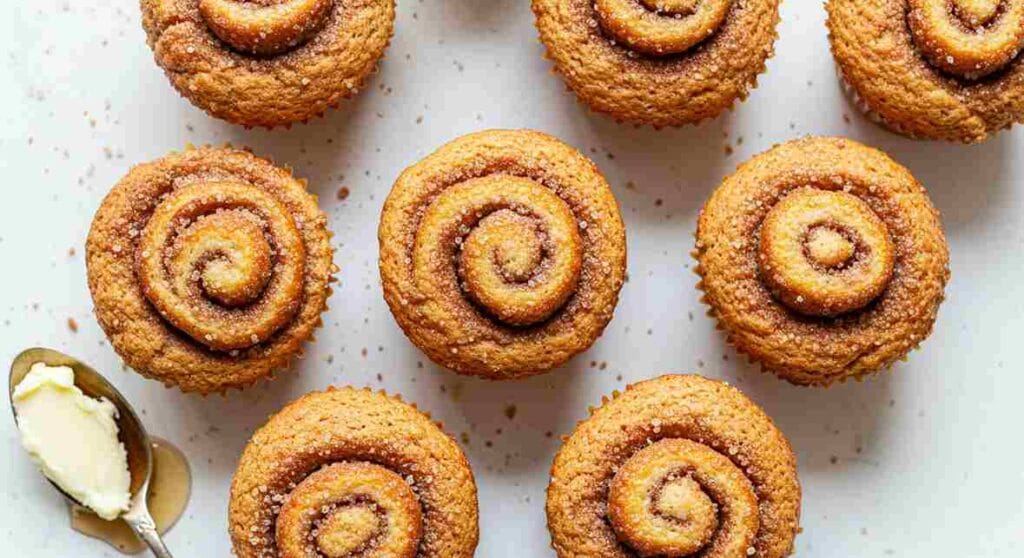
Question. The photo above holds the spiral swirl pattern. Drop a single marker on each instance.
(351, 473)
(658, 62)
(936, 69)
(658, 27)
(209, 268)
(675, 466)
(502, 254)
(968, 38)
(350, 509)
(268, 62)
(264, 26)
(824, 253)
(223, 262)
(823, 259)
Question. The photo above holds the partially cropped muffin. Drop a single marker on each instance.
(823, 259)
(932, 69)
(658, 62)
(268, 63)
(350, 473)
(209, 268)
(502, 254)
(675, 466)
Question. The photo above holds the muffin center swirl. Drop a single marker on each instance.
(514, 243)
(661, 27)
(347, 530)
(680, 498)
(823, 253)
(264, 27)
(223, 262)
(829, 248)
(350, 510)
(968, 38)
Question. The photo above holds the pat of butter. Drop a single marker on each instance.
(73, 439)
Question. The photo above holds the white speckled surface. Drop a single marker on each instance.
(923, 461)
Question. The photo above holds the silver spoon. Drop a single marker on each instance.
(130, 430)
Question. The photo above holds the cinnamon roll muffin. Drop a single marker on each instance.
(934, 69)
(209, 268)
(502, 254)
(823, 259)
(267, 62)
(659, 62)
(675, 466)
(352, 473)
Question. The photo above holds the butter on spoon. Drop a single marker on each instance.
(73, 439)
(46, 398)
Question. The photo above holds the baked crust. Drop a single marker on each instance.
(669, 67)
(329, 461)
(502, 254)
(848, 334)
(926, 71)
(228, 280)
(675, 458)
(268, 65)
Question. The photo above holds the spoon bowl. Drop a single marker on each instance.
(131, 433)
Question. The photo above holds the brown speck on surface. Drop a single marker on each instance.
(658, 202)
(72, 325)
(833, 460)
(71, 252)
(343, 193)
(364, 352)
(510, 411)
(728, 150)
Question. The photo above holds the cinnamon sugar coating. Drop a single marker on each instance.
(352, 473)
(658, 62)
(260, 63)
(675, 466)
(209, 268)
(852, 282)
(502, 254)
(932, 69)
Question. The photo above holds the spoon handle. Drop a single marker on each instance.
(142, 523)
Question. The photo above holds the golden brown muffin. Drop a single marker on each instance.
(675, 466)
(268, 62)
(659, 62)
(823, 259)
(209, 268)
(352, 473)
(502, 253)
(935, 69)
